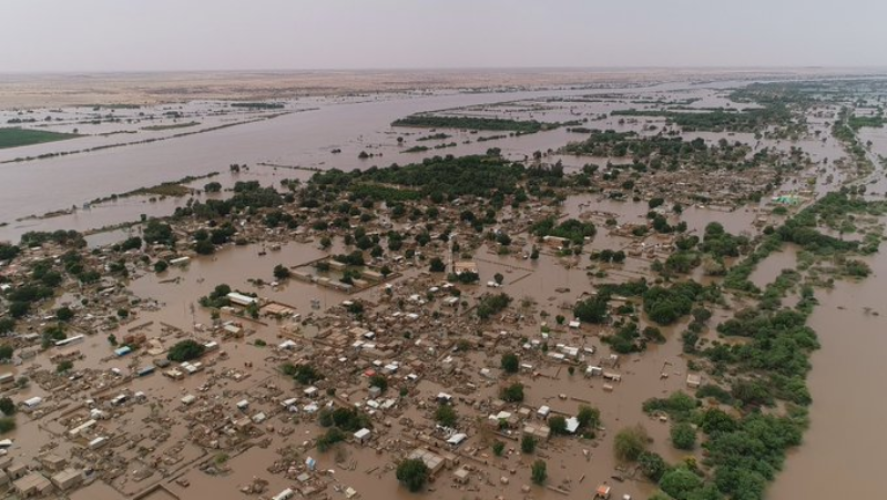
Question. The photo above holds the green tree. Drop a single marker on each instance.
(680, 483)
(630, 442)
(539, 472)
(652, 465)
(514, 393)
(498, 278)
(528, 444)
(64, 314)
(558, 425)
(6, 351)
(6, 325)
(437, 265)
(445, 415)
(7, 424)
(7, 406)
(204, 247)
(588, 417)
(281, 272)
(683, 436)
(64, 366)
(329, 438)
(379, 381)
(498, 448)
(510, 362)
(412, 473)
(186, 350)
(303, 374)
(160, 266)
(593, 310)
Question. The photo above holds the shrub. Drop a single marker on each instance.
(445, 415)
(331, 437)
(513, 393)
(510, 362)
(7, 406)
(683, 436)
(413, 474)
(185, 350)
(652, 465)
(588, 417)
(498, 448)
(539, 472)
(6, 424)
(630, 442)
(558, 425)
(528, 444)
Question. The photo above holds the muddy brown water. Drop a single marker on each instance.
(839, 457)
(840, 454)
(303, 139)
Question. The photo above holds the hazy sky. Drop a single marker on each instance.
(133, 35)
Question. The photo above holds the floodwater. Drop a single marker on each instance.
(840, 456)
(305, 139)
(842, 450)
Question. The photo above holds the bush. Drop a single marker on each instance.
(350, 419)
(652, 465)
(510, 362)
(683, 436)
(593, 310)
(437, 265)
(6, 424)
(492, 304)
(6, 325)
(185, 350)
(303, 374)
(539, 472)
(331, 437)
(498, 448)
(680, 483)
(7, 406)
(6, 351)
(630, 442)
(513, 393)
(588, 417)
(528, 444)
(64, 314)
(413, 474)
(160, 266)
(678, 405)
(281, 272)
(379, 381)
(446, 416)
(558, 425)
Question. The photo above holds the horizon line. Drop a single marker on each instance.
(450, 69)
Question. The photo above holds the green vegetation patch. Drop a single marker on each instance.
(157, 128)
(257, 105)
(474, 123)
(13, 137)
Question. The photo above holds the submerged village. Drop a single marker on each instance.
(621, 316)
